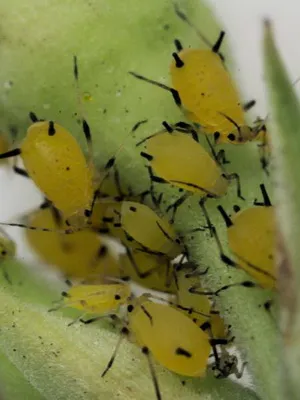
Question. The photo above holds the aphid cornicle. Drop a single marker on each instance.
(205, 91)
(251, 238)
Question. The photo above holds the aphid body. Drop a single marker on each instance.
(180, 160)
(80, 255)
(251, 238)
(97, 299)
(170, 336)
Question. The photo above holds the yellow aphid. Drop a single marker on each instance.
(55, 162)
(143, 228)
(209, 95)
(97, 299)
(170, 336)
(80, 255)
(251, 238)
(180, 160)
(204, 90)
(68, 183)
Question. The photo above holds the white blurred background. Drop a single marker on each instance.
(242, 20)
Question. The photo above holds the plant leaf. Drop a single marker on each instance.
(58, 361)
(285, 139)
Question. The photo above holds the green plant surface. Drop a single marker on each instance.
(44, 358)
(38, 43)
(14, 384)
(285, 118)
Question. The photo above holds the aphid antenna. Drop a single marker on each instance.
(85, 126)
(227, 260)
(214, 47)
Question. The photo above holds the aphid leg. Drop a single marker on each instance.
(11, 153)
(216, 47)
(246, 284)
(195, 271)
(221, 157)
(187, 128)
(227, 260)
(206, 216)
(78, 319)
(145, 351)
(154, 179)
(266, 199)
(95, 319)
(174, 92)
(88, 212)
(236, 177)
(206, 326)
(20, 171)
(143, 195)
(174, 207)
(136, 268)
(190, 310)
(250, 104)
(124, 332)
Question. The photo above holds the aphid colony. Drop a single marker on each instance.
(84, 208)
